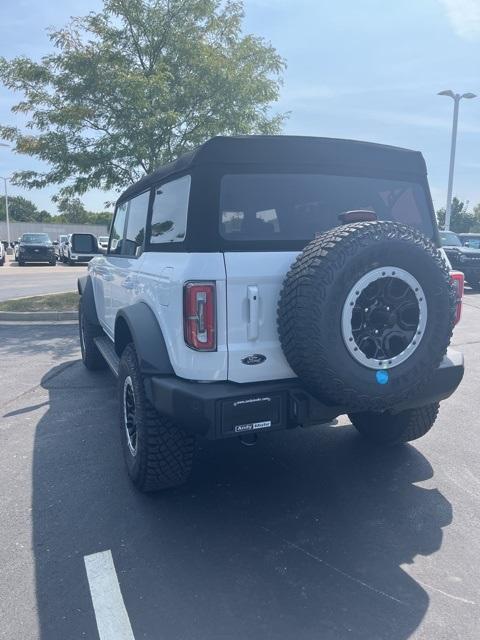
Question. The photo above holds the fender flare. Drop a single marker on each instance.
(147, 338)
(85, 289)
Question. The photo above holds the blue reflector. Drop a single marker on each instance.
(382, 376)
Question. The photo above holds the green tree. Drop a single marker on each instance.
(476, 224)
(135, 85)
(19, 209)
(71, 211)
(102, 217)
(461, 220)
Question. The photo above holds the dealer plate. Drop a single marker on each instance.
(253, 426)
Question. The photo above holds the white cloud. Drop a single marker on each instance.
(464, 16)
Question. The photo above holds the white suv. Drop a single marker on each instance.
(261, 283)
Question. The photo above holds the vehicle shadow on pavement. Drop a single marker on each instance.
(36, 339)
(302, 536)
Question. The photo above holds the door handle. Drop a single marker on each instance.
(253, 318)
(104, 274)
(129, 283)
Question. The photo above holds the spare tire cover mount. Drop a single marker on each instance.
(384, 317)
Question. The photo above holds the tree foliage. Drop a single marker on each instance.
(71, 210)
(21, 210)
(461, 220)
(135, 85)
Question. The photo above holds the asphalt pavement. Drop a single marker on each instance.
(311, 534)
(37, 279)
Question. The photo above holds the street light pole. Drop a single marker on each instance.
(456, 98)
(7, 218)
(5, 180)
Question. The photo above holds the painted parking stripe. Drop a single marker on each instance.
(112, 618)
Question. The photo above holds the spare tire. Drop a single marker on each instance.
(366, 314)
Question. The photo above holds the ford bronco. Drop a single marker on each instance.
(260, 283)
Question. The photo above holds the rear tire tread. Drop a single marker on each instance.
(393, 429)
(165, 451)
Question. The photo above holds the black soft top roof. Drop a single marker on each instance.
(278, 150)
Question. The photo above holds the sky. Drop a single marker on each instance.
(366, 70)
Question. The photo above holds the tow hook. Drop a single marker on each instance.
(249, 439)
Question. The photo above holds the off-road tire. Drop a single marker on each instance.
(91, 356)
(164, 451)
(393, 429)
(313, 298)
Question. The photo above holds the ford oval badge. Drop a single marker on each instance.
(256, 358)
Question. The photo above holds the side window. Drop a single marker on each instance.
(136, 223)
(169, 213)
(116, 232)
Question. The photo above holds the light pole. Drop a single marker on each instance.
(456, 98)
(5, 180)
(7, 218)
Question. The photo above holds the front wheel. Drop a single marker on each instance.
(396, 428)
(91, 356)
(158, 453)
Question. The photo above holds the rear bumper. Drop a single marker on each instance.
(80, 257)
(224, 409)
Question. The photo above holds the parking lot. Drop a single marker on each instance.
(309, 534)
(37, 279)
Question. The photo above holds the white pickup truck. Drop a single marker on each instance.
(259, 283)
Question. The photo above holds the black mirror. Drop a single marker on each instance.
(55, 242)
(84, 243)
(466, 243)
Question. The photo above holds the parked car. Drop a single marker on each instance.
(471, 240)
(275, 282)
(103, 242)
(59, 246)
(79, 248)
(63, 248)
(462, 257)
(36, 247)
(2, 254)
(16, 244)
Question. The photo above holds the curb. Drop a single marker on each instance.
(33, 316)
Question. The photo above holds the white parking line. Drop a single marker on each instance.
(112, 618)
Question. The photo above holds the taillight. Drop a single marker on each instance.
(457, 279)
(199, 315)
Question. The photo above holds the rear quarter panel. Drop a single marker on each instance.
(161, 277)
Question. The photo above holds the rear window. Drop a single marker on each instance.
(83, 243)
(298, 206)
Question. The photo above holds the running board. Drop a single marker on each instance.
(107, 349)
